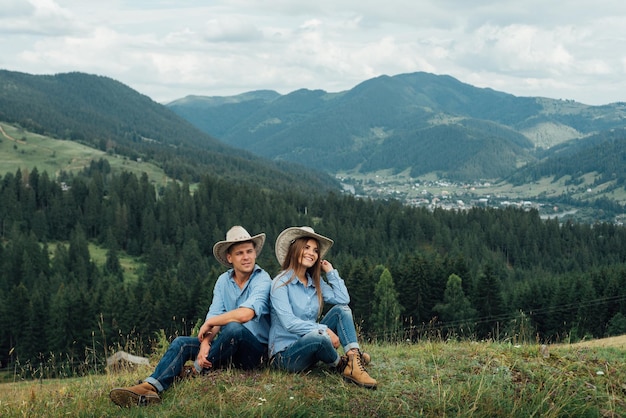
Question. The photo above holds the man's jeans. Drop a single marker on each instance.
(317, 346)
(235, 345)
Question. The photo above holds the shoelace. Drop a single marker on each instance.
(360, 364)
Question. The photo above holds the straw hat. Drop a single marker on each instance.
(236, 234)
(289, 235)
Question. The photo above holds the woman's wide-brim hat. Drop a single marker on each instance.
(289, 235)
(235, 235)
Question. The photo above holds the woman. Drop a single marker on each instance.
(297, 340)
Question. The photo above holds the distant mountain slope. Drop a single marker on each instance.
(219, 114)
(603, 154)
(109, 116)
(419, 121)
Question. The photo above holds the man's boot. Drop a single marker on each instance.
(141, 395)
(355, 372)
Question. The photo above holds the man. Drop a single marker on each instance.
(236, 328)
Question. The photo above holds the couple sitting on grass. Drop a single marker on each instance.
(237, 330)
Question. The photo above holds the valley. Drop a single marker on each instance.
(550, 198)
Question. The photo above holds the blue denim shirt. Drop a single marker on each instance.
(295, 307)
(255, 295)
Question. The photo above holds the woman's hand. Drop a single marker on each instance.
(326, 266)
(334, 339)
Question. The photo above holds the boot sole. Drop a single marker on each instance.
(126, 398)
(363, 385)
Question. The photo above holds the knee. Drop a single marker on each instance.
(341, 309)
(232, 330)
(178, 343)
(345, 308)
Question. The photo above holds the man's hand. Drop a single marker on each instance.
(203, 354)
(205, 331)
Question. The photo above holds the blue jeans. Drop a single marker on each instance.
(235, 345)
(316, 345)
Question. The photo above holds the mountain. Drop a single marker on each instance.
(107, 115)
(603, 154)
(422, 122)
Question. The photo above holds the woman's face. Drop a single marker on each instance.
(309, 254)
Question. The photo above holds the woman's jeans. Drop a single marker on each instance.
(234, 344)
(317, 346)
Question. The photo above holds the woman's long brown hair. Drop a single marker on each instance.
(292, 262)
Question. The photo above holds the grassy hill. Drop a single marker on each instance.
(431, 378)
(21, 149)
(106, 115)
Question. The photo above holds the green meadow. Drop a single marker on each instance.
(432, 378)
(21, 149)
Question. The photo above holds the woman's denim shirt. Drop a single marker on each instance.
(294, 307)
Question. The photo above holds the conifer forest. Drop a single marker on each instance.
(480, 273)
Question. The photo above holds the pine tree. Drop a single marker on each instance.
(456, 311)
(387, 309)
(489, 303)
(361, 286)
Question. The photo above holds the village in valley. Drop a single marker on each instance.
(431, 192)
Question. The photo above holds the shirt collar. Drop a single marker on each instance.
(295, 281)
(231, 273)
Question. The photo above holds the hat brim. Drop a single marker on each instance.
(220, 249)
(291, 234)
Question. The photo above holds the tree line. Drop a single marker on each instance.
(478, 273)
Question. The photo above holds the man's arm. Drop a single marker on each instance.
(241, 315)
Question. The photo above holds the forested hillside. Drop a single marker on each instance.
(603, 154)
(421, 122)
(481, 273)
(107, 115)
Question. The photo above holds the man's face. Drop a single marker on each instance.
(242, 257)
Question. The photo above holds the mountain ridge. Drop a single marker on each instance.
(353, 129)
(110, 116)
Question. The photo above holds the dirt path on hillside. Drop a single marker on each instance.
(9, 137)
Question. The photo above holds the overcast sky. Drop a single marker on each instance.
(168, 49)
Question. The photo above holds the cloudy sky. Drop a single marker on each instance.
(168, 49)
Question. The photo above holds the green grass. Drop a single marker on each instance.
(130, 265)
(20, 149)
(435, 379)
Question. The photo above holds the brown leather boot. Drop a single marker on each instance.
(355, 372)
(141, 395)
(341, 366)
(366, 358)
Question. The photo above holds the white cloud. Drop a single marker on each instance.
(231, 30)
(37, 17)
(168, 49)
